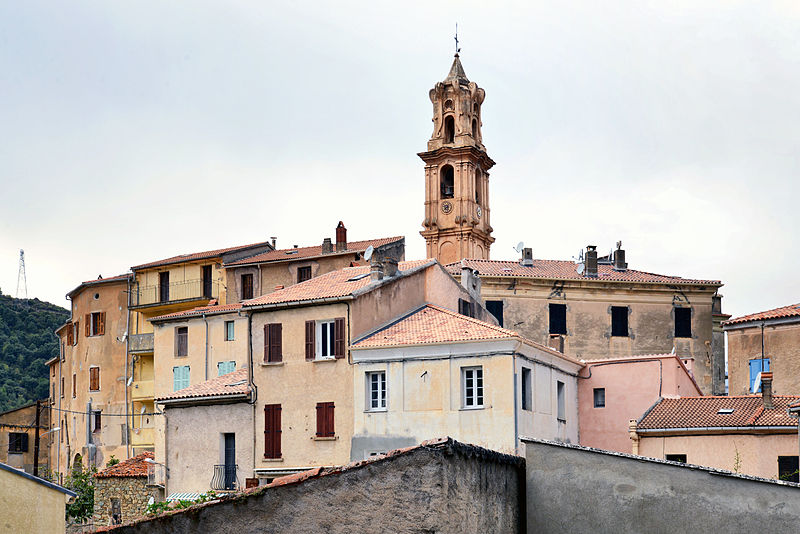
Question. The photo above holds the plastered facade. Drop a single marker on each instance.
(781, 346)
(29, 506)
(22, 420)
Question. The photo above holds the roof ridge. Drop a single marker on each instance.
(473, 320)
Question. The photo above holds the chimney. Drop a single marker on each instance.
(274, 240)
(619, 258)
(385, 259)
(341, 237)
(375, 268)
(766, 390)
(591, 261)
(527, 257)
(327, 246)
(556, 342)
(471, 281)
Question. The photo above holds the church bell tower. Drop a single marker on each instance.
(456, 224)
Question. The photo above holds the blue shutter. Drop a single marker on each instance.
(180, 377)
(755, 368)
(223, 368)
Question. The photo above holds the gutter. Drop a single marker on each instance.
(127, 355)
(206, 321)
(787, 428)
(755, 323)
(311, 302)
(203, 400)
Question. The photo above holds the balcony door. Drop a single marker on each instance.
(207, 281)
(163, 286)
(230, 461)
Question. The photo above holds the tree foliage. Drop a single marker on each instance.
(26, 342)
(81, 481)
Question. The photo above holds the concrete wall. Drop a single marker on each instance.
(573, 489)
(194, 437)
(445, 488)
(781, 346)
(28, 506)
(132, 493)
(626, 399)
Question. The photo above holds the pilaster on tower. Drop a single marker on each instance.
(456, 223)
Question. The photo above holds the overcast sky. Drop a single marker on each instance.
(132, 131)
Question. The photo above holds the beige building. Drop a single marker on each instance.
(435, 372)
(748, 434)
(764, 341)
(87, 381)
(18, 437)
(30, 504)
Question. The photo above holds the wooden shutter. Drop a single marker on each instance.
(275, 347)
(325, 420)
(101, 324)
(338, 337)
(320, 419)
(311, 327)
(272, 431)
(76, 329)
(94, 378)
(266, 342)
(74, 385)
(88, 326)
(70, 335)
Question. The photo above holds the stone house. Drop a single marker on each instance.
(764, 341)
(18, 437)
(121, 492)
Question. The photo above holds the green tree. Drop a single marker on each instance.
(81, 481)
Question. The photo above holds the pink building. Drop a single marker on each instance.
(613, 391)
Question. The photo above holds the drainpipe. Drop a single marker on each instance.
(252, 384)
(206, 321)
(634, 435)
(127, 356)
(516, 407)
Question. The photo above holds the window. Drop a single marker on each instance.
(96, 421)
(75, 330)
(562, 401)
(472, 387)
(447, 182)
(475, 134)
(495, 307)
(229, 330)
(180, 377)
(527, 398)
(247, 286)
(757, 365)
(325, 427)
(272, 431)
(325, 339)
(558, 319)
(303, 274)
(619, 321)
(95, 324)
(181, 341)
(273, 342)
(683, 322)
(94, 379)
(163, 286)
(376, 390)
(70, 337)
(466, 308)
(207, 283)
(787, 468)
(62, 387)
(75, 384)
(17, 442)
(63, 353)
(599, 397)
(223, 368)
(449, 129)
(676, 458)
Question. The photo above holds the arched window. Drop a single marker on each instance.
(478, 186)
(449, 129)
(447, 181)
(475, 129)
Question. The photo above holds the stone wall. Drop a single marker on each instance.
(440, 487)
(132, 493)
(577, 489)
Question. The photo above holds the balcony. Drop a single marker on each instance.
(142, 437)
(225, 478)
(174, 292)
(155, 474)
(142, 389)
(140, 343)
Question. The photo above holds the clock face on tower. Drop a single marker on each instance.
(479, 212)
(447, 207)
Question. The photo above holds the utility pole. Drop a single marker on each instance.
(21, 276)
(36, 444)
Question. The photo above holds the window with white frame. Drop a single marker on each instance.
(229, 331)
(325, 339)
(376, 390)
(223, 368)
(472, 387)
(180, 377)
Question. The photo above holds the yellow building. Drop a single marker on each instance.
(18, 437)
(30, 504)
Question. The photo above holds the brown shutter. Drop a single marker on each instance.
(310, 341)
(338, 337)
(94, 378)
(275, 342)
(272, 431)
(75, 334)
(70, 334)
(325, 420)
(74, 385)
(88, 326)
(266, 342)
(320, 419)
(329, 420)
(101, 324)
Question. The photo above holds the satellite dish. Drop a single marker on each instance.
(519, 247)
(130, 380)
(368, 252)
(581, 268)
(143, 409)
(151, 500)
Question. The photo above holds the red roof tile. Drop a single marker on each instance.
(200, 310)
(100, 280)
(792, 310)
(194, 256)
(703, 412)
(132, 467)
(292, 254)
(566, 270)
(234, 383)
(335, 284)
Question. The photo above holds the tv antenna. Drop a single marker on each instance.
(456, 38)
(368, 253)
(519, 247)
(21, 278)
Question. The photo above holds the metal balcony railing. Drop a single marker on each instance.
(175, 291)
(225, 477)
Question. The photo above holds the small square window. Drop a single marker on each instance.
(325, 339)
(676, 458)
(303, 274)
(376, 390)
(472, 387)
(599, 397)
(466, 307)
(229, 330)
(17, 442)
(223, 368)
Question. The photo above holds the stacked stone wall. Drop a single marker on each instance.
(132, 493)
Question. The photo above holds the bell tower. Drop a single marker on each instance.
(456, 221)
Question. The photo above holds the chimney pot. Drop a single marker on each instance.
(341, 237)
(591, 261)
(274, 240)
(766, 390)
(327, 246)
(619, 260)
(527, 257)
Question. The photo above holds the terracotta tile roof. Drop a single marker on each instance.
(566, 270)
(335, 284)
(194, 256)
(211, 309)
(432, 324)
(792, 310)
(291, 254)
(702, 412)
(234, 383)
(132, 467)
(795, 404)
(99, 280)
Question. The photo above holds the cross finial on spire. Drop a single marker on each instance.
(456, 38)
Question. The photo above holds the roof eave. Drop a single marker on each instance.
(207, 399)
(765, 429)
